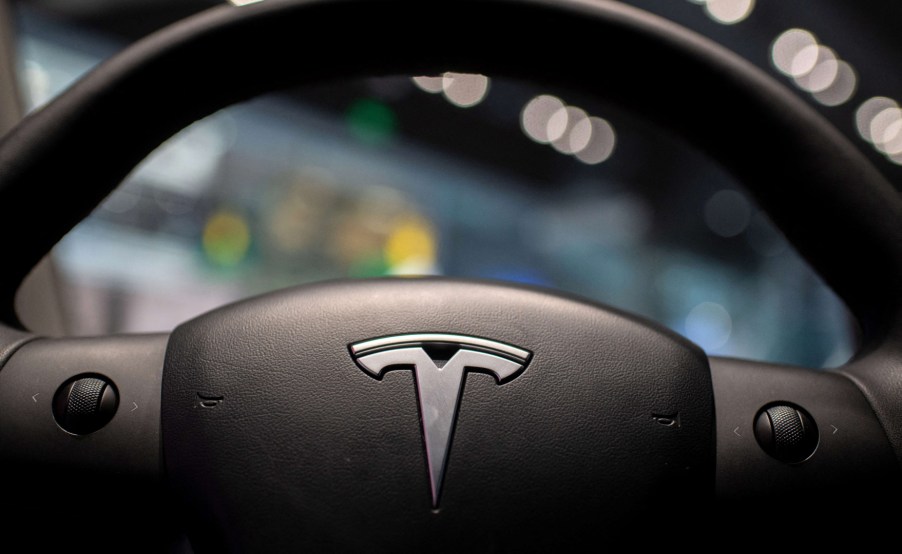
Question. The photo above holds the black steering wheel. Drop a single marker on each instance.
(517, 419)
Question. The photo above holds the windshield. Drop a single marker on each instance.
(453, 174)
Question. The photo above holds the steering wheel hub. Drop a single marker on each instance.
(551, 428)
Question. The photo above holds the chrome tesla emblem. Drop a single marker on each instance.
(439, 362)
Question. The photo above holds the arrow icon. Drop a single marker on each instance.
(135, 408)
(736, 432)
(35, 398)
(835, 429)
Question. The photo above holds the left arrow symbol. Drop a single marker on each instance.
(35, 398)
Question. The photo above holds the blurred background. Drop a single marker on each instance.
(461, 175)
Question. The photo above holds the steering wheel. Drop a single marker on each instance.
(441, 414)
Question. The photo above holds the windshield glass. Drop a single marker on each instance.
(453, 174)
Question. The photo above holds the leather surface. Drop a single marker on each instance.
(129, 445)
(879, 376)
(10, 341)
(853, 464)
(305, 451)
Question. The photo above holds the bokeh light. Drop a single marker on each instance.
(601, 142)
(431, 85)
(813, 67)
(868, 111)
(884, 127)
(787, 46)
(709, 325)
(546, 119)
(892, 138)
(536, 114)
(822, 74)
(226, 238)
(371, 121)
(729, 12)
(843, 87)
(561, 126)
(464, 90)
(727, 213)
(879, 121)
(411, 247)
(805, 60)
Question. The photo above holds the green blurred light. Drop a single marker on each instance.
(371, 121)
(373, 265)
(226, 239)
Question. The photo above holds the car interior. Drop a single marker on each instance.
(456, 276)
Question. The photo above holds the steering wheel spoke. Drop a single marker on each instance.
(89, 404)
(793, 432)
(80, 439)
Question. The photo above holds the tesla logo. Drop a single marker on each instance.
(439, 362)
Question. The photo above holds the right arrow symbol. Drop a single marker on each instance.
(835, 429)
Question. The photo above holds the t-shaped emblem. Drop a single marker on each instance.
(439, 381)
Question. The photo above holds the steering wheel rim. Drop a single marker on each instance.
(825, 196)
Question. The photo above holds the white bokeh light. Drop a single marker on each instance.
(565, 120)
(868, 110)
(429, 84)
(805, 60)
(601, 143)
(885, 128)
(465, 89)
(892, 139)
(461, 89)
(536, 114)
(580, 135)
(557, 124)
(813, 67)
(842, 89)
(787, 46)
(546, 119)
(729, 12)
(822, 75)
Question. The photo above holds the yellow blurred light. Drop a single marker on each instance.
(411, 242)
(226, 238)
